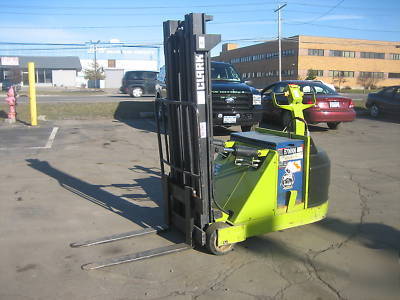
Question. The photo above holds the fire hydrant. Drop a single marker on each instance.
(12, 102)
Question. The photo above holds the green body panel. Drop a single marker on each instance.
(246, 191)
(231, 235)
(248, 195)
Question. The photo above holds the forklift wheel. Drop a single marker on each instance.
(211, 243)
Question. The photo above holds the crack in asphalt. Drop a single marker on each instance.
(312, 255)
(213, 285)
(222, 276)
(319, 277)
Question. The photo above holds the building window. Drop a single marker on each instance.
(371, 74)
(39, 75)
(289, 52)
(287, 72)
(394, 75)
(319, 73)
(48, 76)
(111, 63)
(271, 55)
(395, 56)
(272, 73)
(373, 55)
(335, 73)
(258, 57)
(316, 52)
(340, 53)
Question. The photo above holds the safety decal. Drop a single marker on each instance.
(286, 154)
(287, 180)
(294, 166)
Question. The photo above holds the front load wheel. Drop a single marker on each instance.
(212, 235)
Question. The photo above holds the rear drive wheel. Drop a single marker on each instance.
(136, 92)
(374, 111)
(211, 242)
(333, 125)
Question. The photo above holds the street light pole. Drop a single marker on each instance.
(279, 40)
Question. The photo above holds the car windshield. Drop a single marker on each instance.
(224, 72)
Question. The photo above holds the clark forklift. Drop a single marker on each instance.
(220, 193)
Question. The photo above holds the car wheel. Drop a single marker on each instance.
(333, 125)
(136, 92)
(211, 240)
(246, 128)
(374, 111)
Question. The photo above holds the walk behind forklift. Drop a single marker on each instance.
(220, 193)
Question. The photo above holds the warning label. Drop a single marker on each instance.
(294, 153)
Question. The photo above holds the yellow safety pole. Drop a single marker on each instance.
(32, 93)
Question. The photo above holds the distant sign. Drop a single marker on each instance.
(10, 61)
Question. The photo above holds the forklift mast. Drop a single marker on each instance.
(184, 126)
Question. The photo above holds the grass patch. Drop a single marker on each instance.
(50, 92)
(357, 91)
(123, 110)
(359, 103)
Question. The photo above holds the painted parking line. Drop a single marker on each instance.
(48, 144)
(49, 141)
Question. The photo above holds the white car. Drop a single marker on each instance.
(327, 84)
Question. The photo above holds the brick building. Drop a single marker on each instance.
(339, 61)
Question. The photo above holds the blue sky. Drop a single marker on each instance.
(141, 21)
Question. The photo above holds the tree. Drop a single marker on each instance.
(367, 82)
(95, 72)
(311, 74)
(339, 79)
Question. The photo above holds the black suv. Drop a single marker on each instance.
(139, 83)
(234, 102)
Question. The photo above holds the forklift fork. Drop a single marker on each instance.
(185, 138)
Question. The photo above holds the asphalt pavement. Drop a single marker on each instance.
(102, 177)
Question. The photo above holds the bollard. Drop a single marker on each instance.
(12, 102)
(32, 93)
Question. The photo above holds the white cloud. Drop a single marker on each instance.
(39, 35)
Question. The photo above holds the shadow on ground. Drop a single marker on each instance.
(363, 113)
(3, 114)
(144, 216)
(370, 235)
(132, 109)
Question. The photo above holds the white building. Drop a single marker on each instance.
(60, 71)
(114, 70)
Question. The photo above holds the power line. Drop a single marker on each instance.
(28, 13)
(292, 3)
(47, 7)
(324, 14)
(129, 26)
(249, 22)
(346, 28)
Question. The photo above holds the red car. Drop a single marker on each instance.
(331, 108)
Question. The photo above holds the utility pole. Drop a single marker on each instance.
(95, 60)
(279, 39)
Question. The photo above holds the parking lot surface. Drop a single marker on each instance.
(102, 177)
